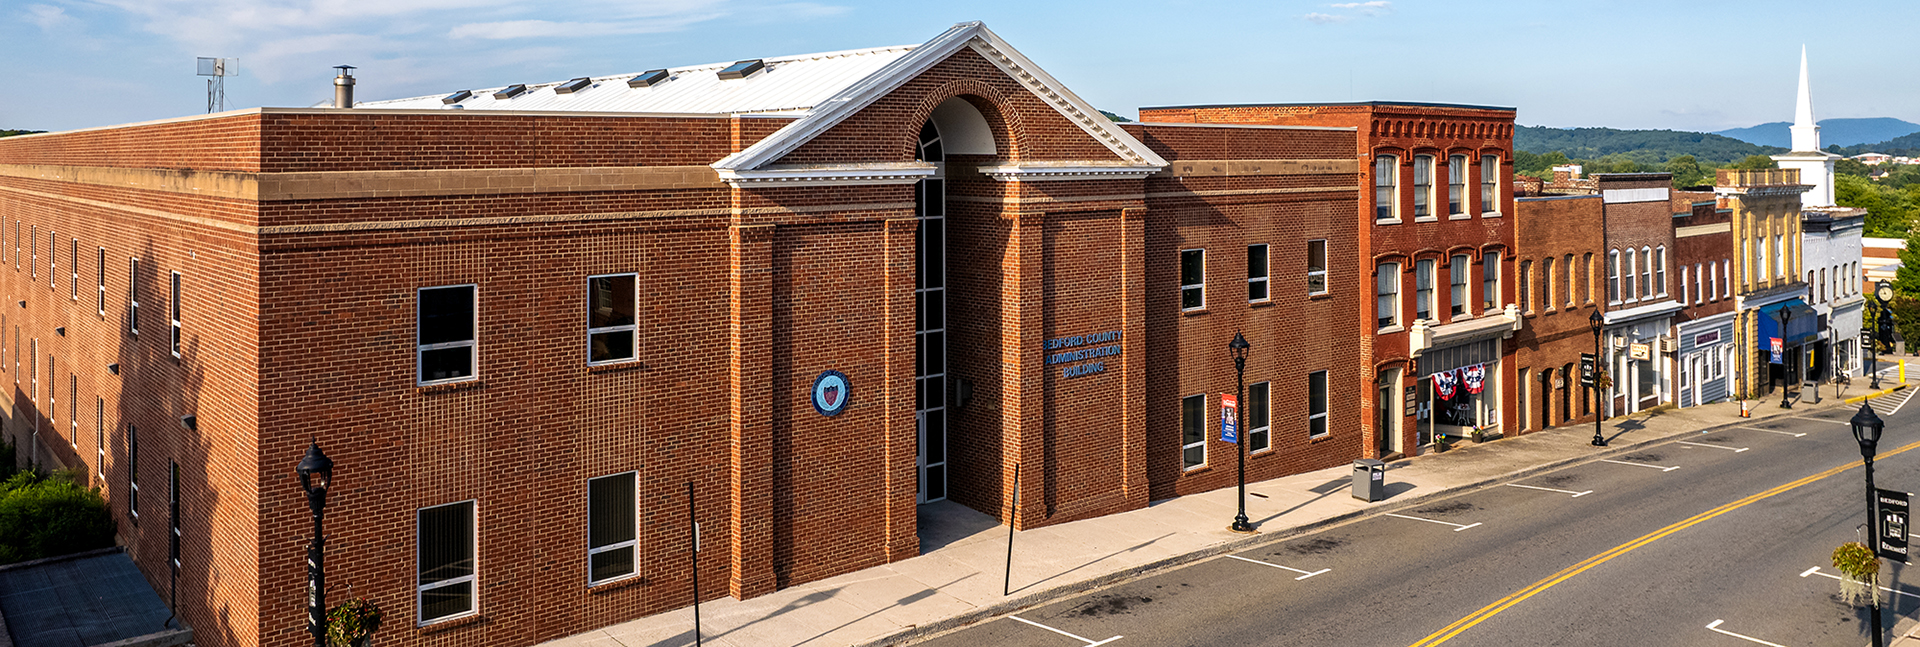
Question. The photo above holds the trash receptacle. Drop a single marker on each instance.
(1369, 480)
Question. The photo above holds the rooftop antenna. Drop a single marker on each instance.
(219, 69)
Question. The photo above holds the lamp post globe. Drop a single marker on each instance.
(1866, 431)
(1238, 348)
(1597, 323)
(316, 475)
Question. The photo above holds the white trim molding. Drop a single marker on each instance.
(829, 174)
(1049, 171)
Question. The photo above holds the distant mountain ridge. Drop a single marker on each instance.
(1843, 132)
(1647, 147)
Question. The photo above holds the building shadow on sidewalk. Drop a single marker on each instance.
(910, 599)
(1093, 561)
(944, 523)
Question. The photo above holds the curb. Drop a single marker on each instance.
(1870, 396)
(911, 634)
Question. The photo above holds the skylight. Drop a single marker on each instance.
(742, 69)
(458, 97)
(511, 91)
(573, 86)
(648, 79)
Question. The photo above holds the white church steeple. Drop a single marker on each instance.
(1806, 133)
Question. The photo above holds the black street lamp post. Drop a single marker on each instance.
(1238, 347)
(316, 474)
(1786, 358)
(1598, 323)
(1866, 430)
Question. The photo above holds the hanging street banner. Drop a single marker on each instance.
(1229, 419)
(1586, 369)
(1892, 515)
(1777, 349)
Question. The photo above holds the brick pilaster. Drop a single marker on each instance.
(1023, 398)
(1133, 377)
(750, 377)
(901, 429)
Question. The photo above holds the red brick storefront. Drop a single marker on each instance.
(1407, 218)
(764, 253)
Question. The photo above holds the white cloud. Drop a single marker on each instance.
(1324, 19)
(1369, 8)
(1375, 4)
(47, 17)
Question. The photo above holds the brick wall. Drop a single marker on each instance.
(1557, 330)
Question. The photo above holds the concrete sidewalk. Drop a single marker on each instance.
(957, 580)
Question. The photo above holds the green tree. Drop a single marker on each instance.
(1907, 280)
(1851, 167)
(1686, 171)
(1754, 163)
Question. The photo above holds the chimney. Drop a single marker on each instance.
(343, 87)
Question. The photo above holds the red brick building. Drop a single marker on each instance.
(1561, 240)
(523, 320)
(1434, 221)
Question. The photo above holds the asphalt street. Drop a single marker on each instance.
(1719, 538)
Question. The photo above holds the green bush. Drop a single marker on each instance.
(44, 516)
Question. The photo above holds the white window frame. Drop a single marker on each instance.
(133, 473)
(1261, 429)
(1726, 287)
(53, 260)
(420, 590)
(1699, 283)
(1660, 269)
(1423, 188)
(1630, 278)
(1646, 273)
(1387, 275)
(1684, 285)
(73, 259)
(1549, 300)
(1490, 282)
(73, 410)
(173, 504)
(632, 329)
(33, 248)
(173, 309)
(1489, 185)
(133, 296)
(1459, 284)
(1391, 185)
(1201, 286)
(1202, 444)
(1424, 272)
(103, 281)
(1326, 421)
(1457, 188)
(100, 439)
(1572, 277)
(1779, 257)
(1321, 274)
(631, 543)
(1266, 288)
(1526, 280)
(420, 350)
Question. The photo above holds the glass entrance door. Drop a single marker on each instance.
(930, 330)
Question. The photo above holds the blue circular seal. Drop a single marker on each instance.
(830, 393)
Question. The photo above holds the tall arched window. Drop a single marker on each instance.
(931, 300)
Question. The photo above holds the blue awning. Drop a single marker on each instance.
(1803, 323)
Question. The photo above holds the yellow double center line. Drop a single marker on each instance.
(1463, 624)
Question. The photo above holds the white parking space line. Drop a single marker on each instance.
(1816, 571)
(1304, 574)
(1548, 489)
(1735, 450)
(1657, 467)
(1090, 643)
(1837, 422)
(1774, 431)
(1716, 628)
(1456, 527)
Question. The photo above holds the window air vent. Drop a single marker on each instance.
(457, 97)
(573, 86)
(648, 79)
(742, 69)
(511, 91)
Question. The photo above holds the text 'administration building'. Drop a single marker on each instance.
(821, 289)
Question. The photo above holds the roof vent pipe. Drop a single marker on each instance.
(343, 87)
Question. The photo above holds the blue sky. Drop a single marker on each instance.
(1681, 64)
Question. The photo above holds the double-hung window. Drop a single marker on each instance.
(1586, 277)
(1386, 303)
(1456, 185)
(173, 310)
(1613, 276)
(1726, 287)
(1489, 183)
(73, 268)
(1526, 286)
(100, 439)
(1316, 267)
(1627, 280)
(1256, 273)
(133, 473)
(1193, 279)
(1660, 270)
(33, 250)
(448, 349)
(133, 295)
(1457, 277)
(1423, 289)
(1647, 289)
(1683, 284)
(611, 331)
(102, 271)
(53, 260)
(1779, 257)
(1316, 404)
(1193, 431)
(612, 528)
(1386, 188)
(445, 584)
(1548, 287)
(173, 513)
(1259, 418)
(1422, 186)
(1490, 281)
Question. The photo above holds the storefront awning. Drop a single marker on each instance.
(1803, 323)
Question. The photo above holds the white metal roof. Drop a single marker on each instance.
(789, 84)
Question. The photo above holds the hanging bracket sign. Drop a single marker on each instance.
(1891, 514)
